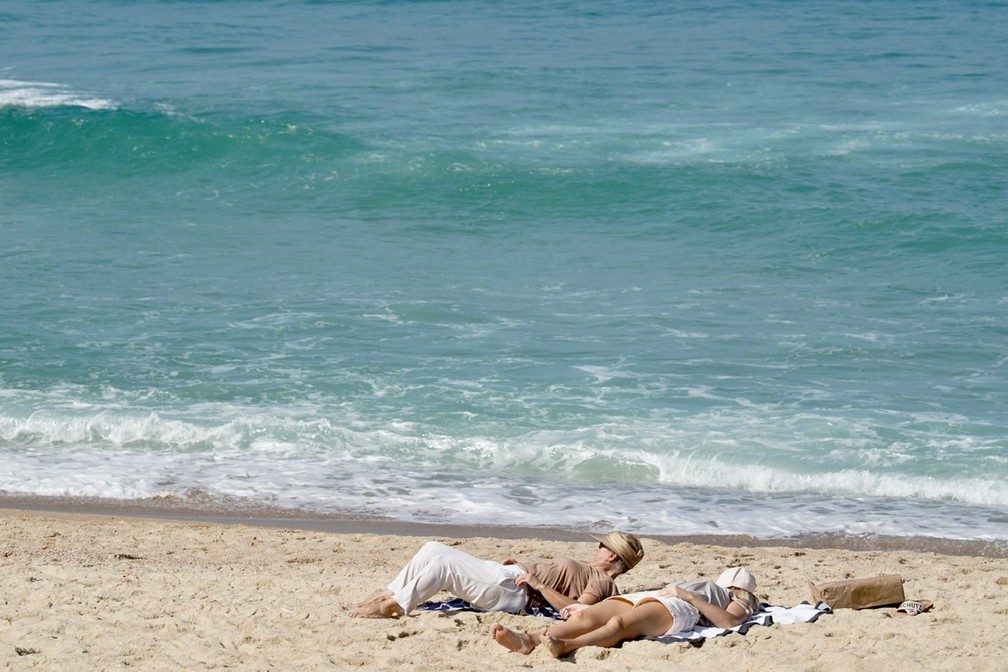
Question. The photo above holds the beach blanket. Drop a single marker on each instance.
(458, 604)
(767, 615)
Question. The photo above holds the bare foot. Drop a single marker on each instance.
(384, 607)
(374, 598)
(519, 642)
(557, 647)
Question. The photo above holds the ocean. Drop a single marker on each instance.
(727, 267)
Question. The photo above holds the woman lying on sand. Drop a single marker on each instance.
(677, 607)
(505, 586)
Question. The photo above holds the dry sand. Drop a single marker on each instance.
(104, 592)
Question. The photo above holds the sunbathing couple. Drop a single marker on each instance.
(584, 593)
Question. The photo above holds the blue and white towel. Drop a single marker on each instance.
(458, 604)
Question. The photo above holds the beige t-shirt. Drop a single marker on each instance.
(569, 577)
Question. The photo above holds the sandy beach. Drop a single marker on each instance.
(108, 592)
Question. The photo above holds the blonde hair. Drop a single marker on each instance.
(748, 600)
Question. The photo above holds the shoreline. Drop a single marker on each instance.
(275, 517)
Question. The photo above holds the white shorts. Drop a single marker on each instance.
(684, 615)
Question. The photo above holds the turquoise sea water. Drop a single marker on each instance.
(723, 267)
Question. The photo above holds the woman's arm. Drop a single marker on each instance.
(557, 599)
(734, 615)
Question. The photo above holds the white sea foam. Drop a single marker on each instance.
(15, 93)
(400, 470)
(333, 486)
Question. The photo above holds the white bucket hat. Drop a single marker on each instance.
(737, 577)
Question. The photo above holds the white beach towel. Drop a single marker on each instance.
(767, 615)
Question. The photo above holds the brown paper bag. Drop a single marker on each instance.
(876, 591)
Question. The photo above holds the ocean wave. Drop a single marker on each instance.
(102, 140)
(32, 95)
(304, 440)
(342, 488)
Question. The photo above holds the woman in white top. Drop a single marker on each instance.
(677, 607)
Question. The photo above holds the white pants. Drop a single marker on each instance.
(485, 584)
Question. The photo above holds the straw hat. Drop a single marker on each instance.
(623, 544)
(737, 577)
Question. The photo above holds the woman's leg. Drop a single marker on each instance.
(485, 584)
(582, 621)
(586, 620)
(647, 619)
(423, 573)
